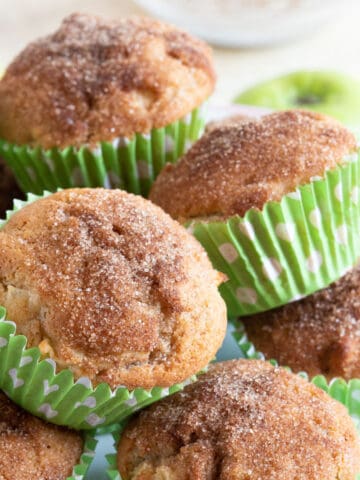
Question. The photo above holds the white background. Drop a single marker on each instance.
(334, 46)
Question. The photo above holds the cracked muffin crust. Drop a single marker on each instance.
(247, 420)
(319, 334)
(32, 449)
(96, 80)
(108, 285)
(235, 167)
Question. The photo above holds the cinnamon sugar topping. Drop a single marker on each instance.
(235, 167)
(242, 420)
(32, 449)
(109, 286)
(95, 80)
(319, 334)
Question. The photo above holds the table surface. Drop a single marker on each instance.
(334, 46)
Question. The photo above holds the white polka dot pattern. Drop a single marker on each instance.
(341, 235)
(247, 229)
(314, 262)
(294, 195)
(229, 252)
(339, 192)
(246, 295)
(286, 231)
(315, 217)
(271, 268)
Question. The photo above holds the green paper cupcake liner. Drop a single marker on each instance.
(55, 397)
(80, 470)
(347, 393)
(130, 164)
(291, 248)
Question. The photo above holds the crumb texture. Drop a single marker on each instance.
(242, 420)
(241, 165)
(318, 335)
(32, 449)
(110, 286)
(95, 80)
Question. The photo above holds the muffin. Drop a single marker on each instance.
(103, 103)
(108, 286)
(274, 203)
(8, 188)
(243, 419)
(318, 335)
(32, 449)
(239, 166)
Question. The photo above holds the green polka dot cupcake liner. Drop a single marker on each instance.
(130, 164)
(347, 393)
(291, 248)
(79, 471)
(35, 385)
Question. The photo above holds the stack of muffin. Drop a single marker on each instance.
(112, 305)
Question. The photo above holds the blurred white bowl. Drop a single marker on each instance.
(245, 23)
(216, 113)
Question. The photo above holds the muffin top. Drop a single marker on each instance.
(236, 167)
(111, 287)
(319, 334)
(32, 449)
(242, 420)
(95, 80)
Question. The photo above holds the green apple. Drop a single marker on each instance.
(331, 93)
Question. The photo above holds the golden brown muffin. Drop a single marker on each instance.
(31, 449)
(319, 334)
(237, 167)
(8, 189)
(245, 420)
(111, 287)
(95, 80)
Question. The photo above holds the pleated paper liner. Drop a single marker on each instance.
(291, 248)
(346, 393)
(35, 385)
(80, 470)
(130, 164)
